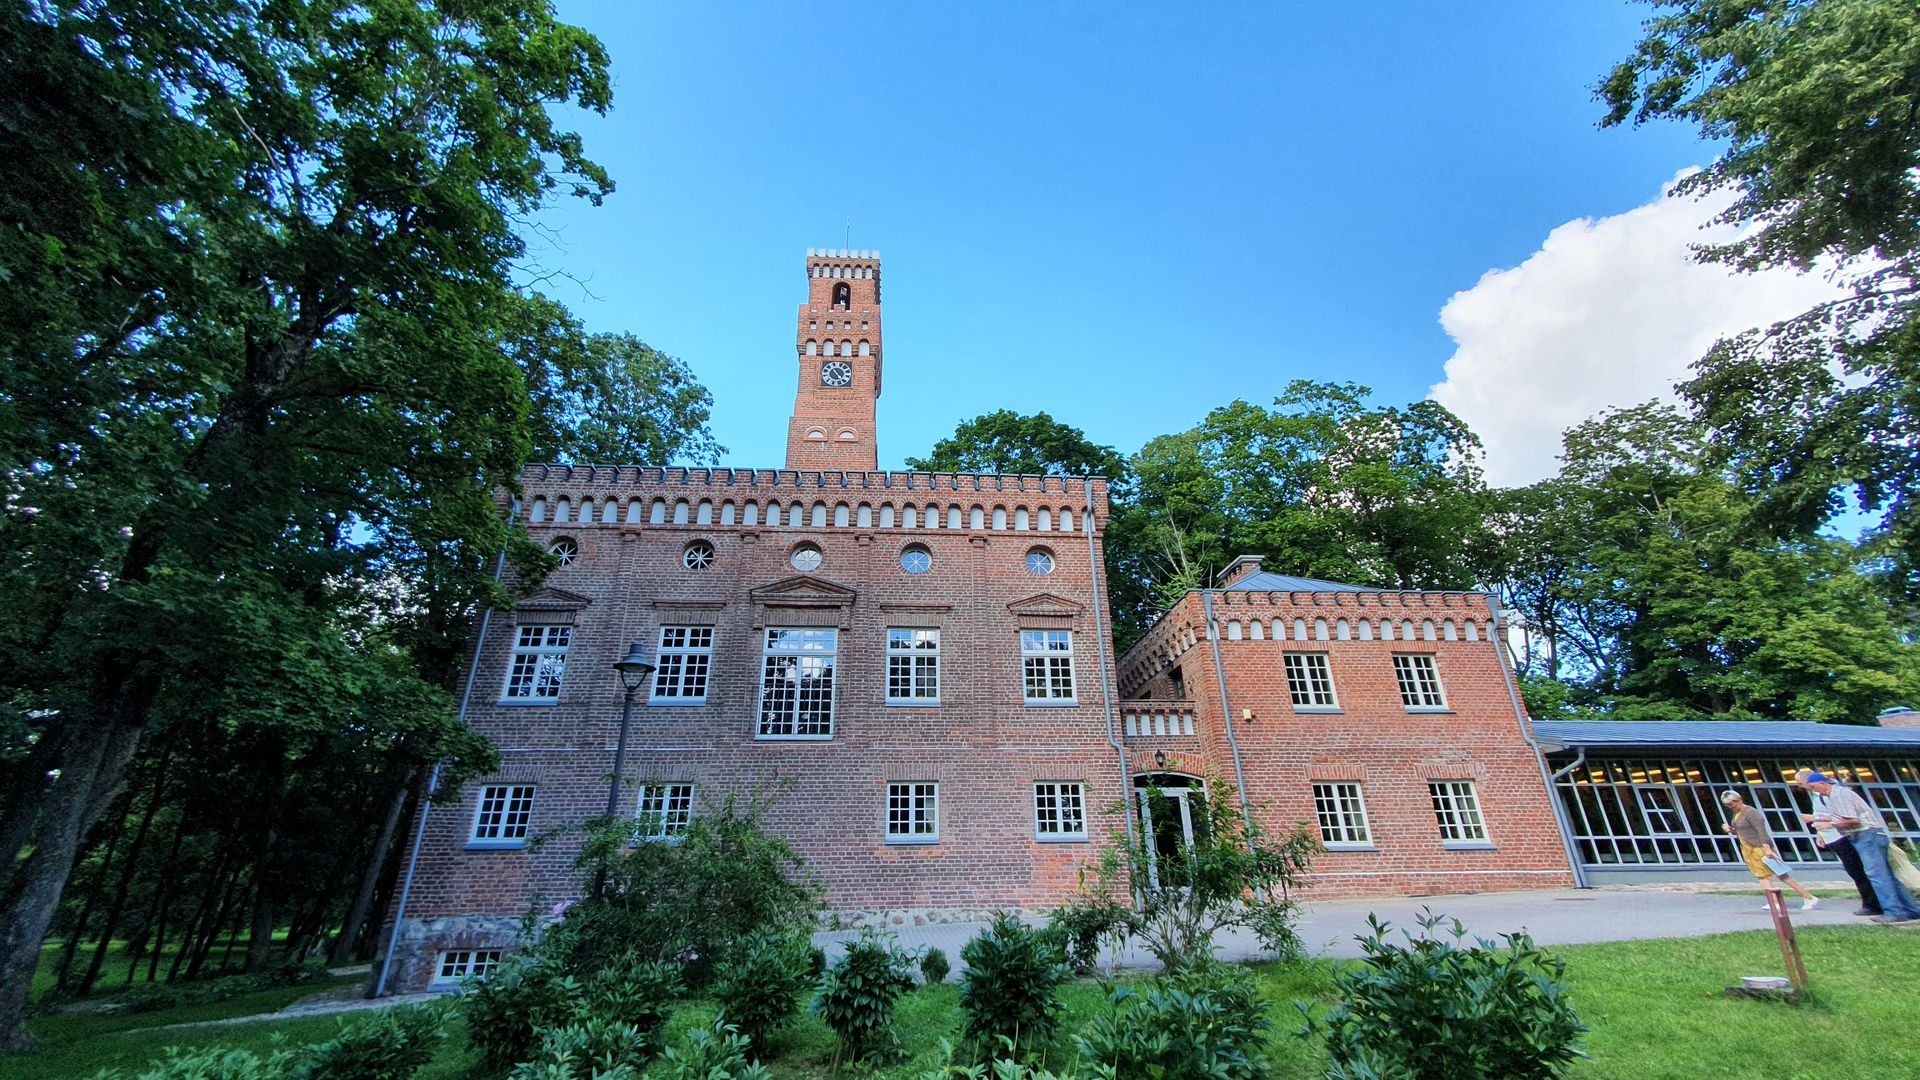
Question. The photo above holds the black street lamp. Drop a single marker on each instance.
(634, 669)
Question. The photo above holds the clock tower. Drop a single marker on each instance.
(838, 342)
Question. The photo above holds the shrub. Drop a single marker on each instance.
(152, 997)
(686, 902)
(1207, 1020)
(1002, 1068)
(1007, 993)
(857, 996)
(759, 985)
(1082, 925)
(934, 967)
(635, 994)
(293, 973)
(588, 1046)
(816, 962)
(1434, 1007)
(719, 1054)
(507, 1011)
(209, 1063)
(388, 1044)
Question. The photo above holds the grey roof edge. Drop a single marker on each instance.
(1719, 733)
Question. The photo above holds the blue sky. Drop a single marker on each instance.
(1123, 215)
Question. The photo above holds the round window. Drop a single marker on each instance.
(698, 556)
(806, 558)
(566, 550)
(916, 559)
(1040, 561)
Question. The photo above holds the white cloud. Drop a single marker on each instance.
(1608, 312)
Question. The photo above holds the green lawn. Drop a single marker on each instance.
(1655, 1007)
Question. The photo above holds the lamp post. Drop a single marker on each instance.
(634, 669)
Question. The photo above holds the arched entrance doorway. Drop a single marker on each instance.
(1172, 808)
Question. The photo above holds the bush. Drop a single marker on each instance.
(1205, 1021)
(759, 985)
(1007, 993)
(857, 996)
(293, 973)
(1001, 1068)
(508, 1011)
(719, 1054)
(588, 1046)
(152, 997)
(388, 1044)
(816, 962)
(1436, 1008)
(637, 995)
(1082, 925)
(688, 902)
(210, 1063)
(934, 967)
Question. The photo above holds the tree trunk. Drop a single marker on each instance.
(370, 877)
(25, 796)
(129, 865)
(70, 948)
(169, 876)
(189, 940)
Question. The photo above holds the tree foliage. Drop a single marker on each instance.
(1006, 442)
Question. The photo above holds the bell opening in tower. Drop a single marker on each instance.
(843, 296)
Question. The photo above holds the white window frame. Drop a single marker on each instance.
(684, 658)
(1340, 810)
(906, 648)
(781, 657)
(1456, 811)
(1310, 676)
(663, 811)
(1037, 653)
(1056, 805)
(918, 803)
(454, 965)
(1410, 670)
(539, 661)
(507, 822)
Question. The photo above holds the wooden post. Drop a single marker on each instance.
(1789, 945)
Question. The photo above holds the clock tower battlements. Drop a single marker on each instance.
(838, 343)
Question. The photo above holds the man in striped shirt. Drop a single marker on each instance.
(1862, 823)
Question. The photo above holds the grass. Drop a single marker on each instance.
(1655, 1007)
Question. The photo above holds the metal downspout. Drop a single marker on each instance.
(1106, 689)
(433, 786)
(1539, 759)
(1226, 713)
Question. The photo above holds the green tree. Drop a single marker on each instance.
(1006, 442)
(1815, 104)
(259, 259)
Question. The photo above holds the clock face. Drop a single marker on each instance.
(836, 373)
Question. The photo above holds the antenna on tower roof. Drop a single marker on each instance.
(849, 230)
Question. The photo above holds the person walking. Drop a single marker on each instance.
(1757, 850)
(1861, 823)
(1830, 839)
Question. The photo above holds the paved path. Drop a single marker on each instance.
(1553, 917)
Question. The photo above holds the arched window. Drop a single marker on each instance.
(843, 295)
(865, 349)
(813, 348)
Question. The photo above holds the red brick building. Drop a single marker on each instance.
(918, 667)
(1386, 719)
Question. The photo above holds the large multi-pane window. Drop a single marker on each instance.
(504, 814)
(1342, 814)
(913, 667)
(1046, 664)
(1419, 681)
(1309, 681)
(913, 813)
(796, 683)
(1456, 808)
(457, 964)
(1059, 811)
(539, 660)
(664, 811)
(685, 659)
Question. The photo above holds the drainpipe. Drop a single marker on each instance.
(1106, 690)
(433, 787)
(1539, 759)
(1226, 714)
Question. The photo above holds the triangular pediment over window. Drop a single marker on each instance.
(1046, 605)
(549, 605)
(803, 601)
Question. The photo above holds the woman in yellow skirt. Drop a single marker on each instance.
(1756, 848)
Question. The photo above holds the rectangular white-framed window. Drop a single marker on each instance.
(1419, 681)
(913, 666)
(1046, 666)
(685, 658)
(1310, 681)
(1343, 816)
(1059, 811)
(796, 683)
(1456, 809)
(503, 816)
(458, 964)
(913, 813)
(539, 660)
(663, 812)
